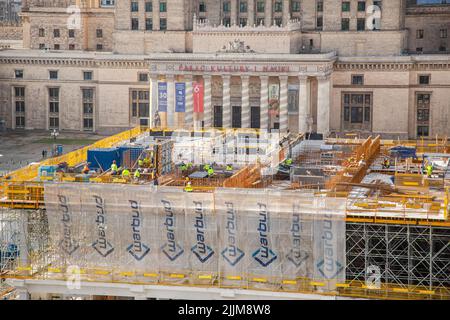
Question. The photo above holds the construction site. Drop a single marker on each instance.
(229, 214)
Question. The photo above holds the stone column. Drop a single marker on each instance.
(251, 12)
(170, 101)
(283, 103)
(323, 104)
(155, 15)
(286, 12)
(303, 104)
(226, 101)
(264, 104)
(153, 99)
(234, 12)
(268, 13)
(245, 101)
(207, 110)
(189, 113)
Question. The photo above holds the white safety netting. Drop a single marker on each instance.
(237, 237)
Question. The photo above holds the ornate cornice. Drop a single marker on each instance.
(392, 66)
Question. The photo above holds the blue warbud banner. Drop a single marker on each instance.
(162, 96)
(180, 97)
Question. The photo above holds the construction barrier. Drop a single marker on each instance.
(237, 237)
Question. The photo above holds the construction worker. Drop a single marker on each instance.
(288, 162)
(126, 173)
(114, 168)
(85, 169)
(188, 187)
(137, 174)
(210, 172)
(386, 163)
(146, 162)
(229, 167)
(429, 169)
(140, 163)
(206, 167)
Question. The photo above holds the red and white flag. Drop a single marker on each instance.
(198, 97)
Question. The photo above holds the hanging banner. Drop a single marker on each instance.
(292, 99)
(180, 97)
(274, 99)
(198, 97)
(162, 96)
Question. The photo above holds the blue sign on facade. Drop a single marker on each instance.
(180, 97)
(162, 96)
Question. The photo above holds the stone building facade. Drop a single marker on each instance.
(322, 66)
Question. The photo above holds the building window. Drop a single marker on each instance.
(295, 6)
(358, 80)
(202, 7)
(278, 22)
(18, 74)
(41, 32)
(319, 23)
(260, 6)
(162, 7)
(443, 33)
(56, 33)
(424, 79)
(259, 21)
(88, 109)
(57, 47)
(163, 24)
(345, 24)
(243, 22)
(442, 49)
(149, 24)
(19, 95)
(356, 113)
(134, 24)
(346, 6)
(320, 6)
(419, 34)
(242, 6)
(143, 77)
(377, 4)
(71, 47)
(361, 6)
(140, 103)
(226, 21)
(360, 24)
(87, 75)
(53, 75)
(134, 6)
(99, 47)
(71, 33)
(99, 33)
(278, 6)
(148, 6)
(53, 108)
(423, 114)
(226, 6)
(419, 50)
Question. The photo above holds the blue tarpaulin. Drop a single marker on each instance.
(403, 152)
(103, 158)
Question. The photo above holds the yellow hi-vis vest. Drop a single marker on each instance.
(125, 173)
(114, 167)
(188, 188)
(137, 174)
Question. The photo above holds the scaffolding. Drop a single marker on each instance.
(392, 238)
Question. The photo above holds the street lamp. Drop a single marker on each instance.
(54, 134)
